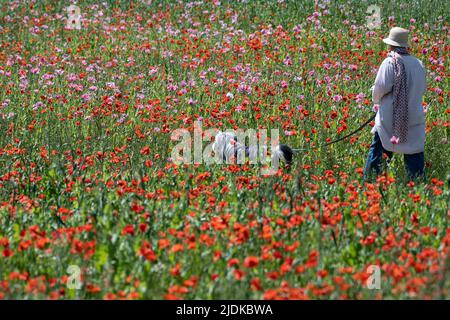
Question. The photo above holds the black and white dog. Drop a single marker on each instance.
(227, 146)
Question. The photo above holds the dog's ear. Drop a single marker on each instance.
(287, 153)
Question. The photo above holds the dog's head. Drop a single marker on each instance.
(284, 152)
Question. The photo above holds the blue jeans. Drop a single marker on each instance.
(414, 163)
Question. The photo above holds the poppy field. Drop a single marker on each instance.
(93, 206)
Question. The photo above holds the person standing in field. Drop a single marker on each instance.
(400, 120)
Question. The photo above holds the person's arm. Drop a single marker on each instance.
(424, 76)
(384, 81)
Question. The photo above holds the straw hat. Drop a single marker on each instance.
(398, 37)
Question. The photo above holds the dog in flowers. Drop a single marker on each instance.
(228, 148)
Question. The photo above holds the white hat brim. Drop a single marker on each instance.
(395, 43)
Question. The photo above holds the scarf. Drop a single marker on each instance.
(400, 91)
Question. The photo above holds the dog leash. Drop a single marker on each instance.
(341, 138)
